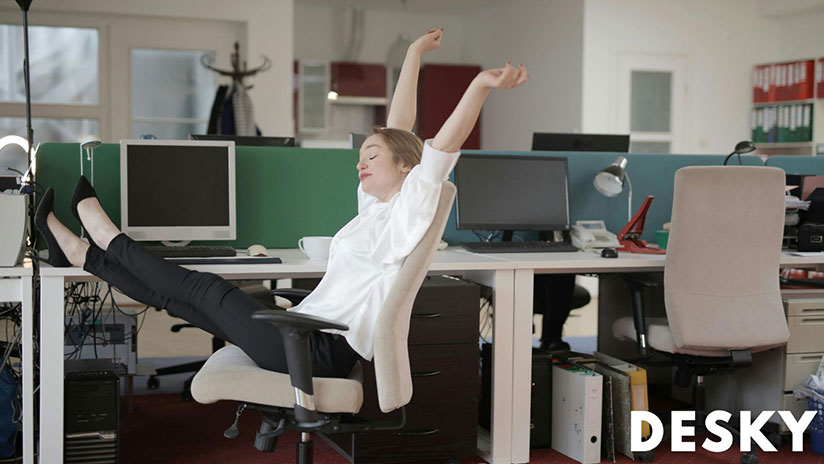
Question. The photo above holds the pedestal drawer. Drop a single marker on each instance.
(799, 367)
(806, 334)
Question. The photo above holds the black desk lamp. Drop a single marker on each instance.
(744, 146)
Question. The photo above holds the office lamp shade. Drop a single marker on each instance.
(744, 146)
(610, 180)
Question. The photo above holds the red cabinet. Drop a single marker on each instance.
(358, 79)
(440, 88)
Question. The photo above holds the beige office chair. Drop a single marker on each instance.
(721, 287)
(297, 401)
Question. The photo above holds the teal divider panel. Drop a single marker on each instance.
(650, 174)
(282, 193)
(810, 165)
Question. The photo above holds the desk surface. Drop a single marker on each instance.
(24, 270)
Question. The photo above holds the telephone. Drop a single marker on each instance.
(592, 234)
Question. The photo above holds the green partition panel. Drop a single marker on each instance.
(650, 174)
(282, 193)
(809, 165)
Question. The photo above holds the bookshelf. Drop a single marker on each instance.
(788, 107)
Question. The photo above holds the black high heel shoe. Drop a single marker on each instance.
(83, 190)
(56, 256)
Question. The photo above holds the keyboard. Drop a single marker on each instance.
(519, 247)
(192, 251)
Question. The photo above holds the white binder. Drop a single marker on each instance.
(576, 412)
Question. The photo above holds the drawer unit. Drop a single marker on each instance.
(806, 334)
(799, 367)
(796, 407)
(442, 417)
(804, 306)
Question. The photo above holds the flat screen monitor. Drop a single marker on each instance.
(356, 139)
(544, 141)
(177, 190)
(509, 192)
(248, 140)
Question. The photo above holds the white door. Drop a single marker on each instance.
(652, 102)
(158, 86)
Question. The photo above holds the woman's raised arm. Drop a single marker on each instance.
(403, 109)
(457, 127)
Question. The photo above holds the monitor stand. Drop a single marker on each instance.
(544, 236)
(176, 243)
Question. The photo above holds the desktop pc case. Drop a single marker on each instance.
(92, 412)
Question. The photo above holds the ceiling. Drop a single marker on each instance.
(412, 6)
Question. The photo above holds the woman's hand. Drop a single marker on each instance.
(507, 77)
(429, 41)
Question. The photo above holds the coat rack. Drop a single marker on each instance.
(238, 72)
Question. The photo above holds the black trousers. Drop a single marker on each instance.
(552, 297)
(212, 304)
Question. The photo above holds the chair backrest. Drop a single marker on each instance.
(721, 286)
(391, 358)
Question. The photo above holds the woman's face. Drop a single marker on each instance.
(380, 175)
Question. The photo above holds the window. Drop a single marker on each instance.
(65, 84)
(172, 93)
(651, 102)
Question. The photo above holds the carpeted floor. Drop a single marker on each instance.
(163, 429)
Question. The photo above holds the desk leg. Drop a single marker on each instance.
(52, 317)
(501, 421)
(27, 341)
(522, 364)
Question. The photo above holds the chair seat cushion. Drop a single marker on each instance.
(659, 337)
(229, 374)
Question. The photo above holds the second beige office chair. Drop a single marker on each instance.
(297, 401)
(721, 287)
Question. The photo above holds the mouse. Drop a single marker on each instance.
(609, 253)
(257, 250)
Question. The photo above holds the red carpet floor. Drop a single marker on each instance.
(162, 429)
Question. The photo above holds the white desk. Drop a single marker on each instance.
(487, 270)
(16, 285)
(529, 264)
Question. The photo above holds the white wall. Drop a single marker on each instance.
(800, 36)
(721, 40)
(269, 29)
(546, 37)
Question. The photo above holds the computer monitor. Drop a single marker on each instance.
(544, 141)
(248, 140)
(177, 190)
(510, 192)
(356, 139)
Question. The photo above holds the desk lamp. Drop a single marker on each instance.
(89, 143)
(610, 182)
(744, 146)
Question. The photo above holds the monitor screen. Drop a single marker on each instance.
(248, 140)
(177, 190)
(542, 141)
(512, 192)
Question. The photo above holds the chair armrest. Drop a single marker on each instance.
(294, 295)
(295, 329)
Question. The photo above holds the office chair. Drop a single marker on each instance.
(328, 405)
(721, 272)
(252, 288)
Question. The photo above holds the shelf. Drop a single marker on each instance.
(783, 102)
(785, 145)
(367, 101)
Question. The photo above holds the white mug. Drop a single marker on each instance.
(315, 247)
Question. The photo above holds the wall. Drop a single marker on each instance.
(269, 29)
(547, 38)
(799, 36)
(721, 41)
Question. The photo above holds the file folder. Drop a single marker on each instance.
(639, 400)
(620, 403)
(576, 412)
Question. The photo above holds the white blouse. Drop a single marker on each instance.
(367, 253)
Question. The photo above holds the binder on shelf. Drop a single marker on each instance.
(617, 401)
(577, 395)
(819, 78)
(639, 400)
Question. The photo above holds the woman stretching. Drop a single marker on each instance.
(400, 182)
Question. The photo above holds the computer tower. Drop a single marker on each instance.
(92, 412)
(540, 432)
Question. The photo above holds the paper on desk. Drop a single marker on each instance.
(804, 253)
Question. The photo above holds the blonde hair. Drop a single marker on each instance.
(405, 146)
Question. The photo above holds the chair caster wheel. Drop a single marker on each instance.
(153, 383)
(645, 456)
(749, 458)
